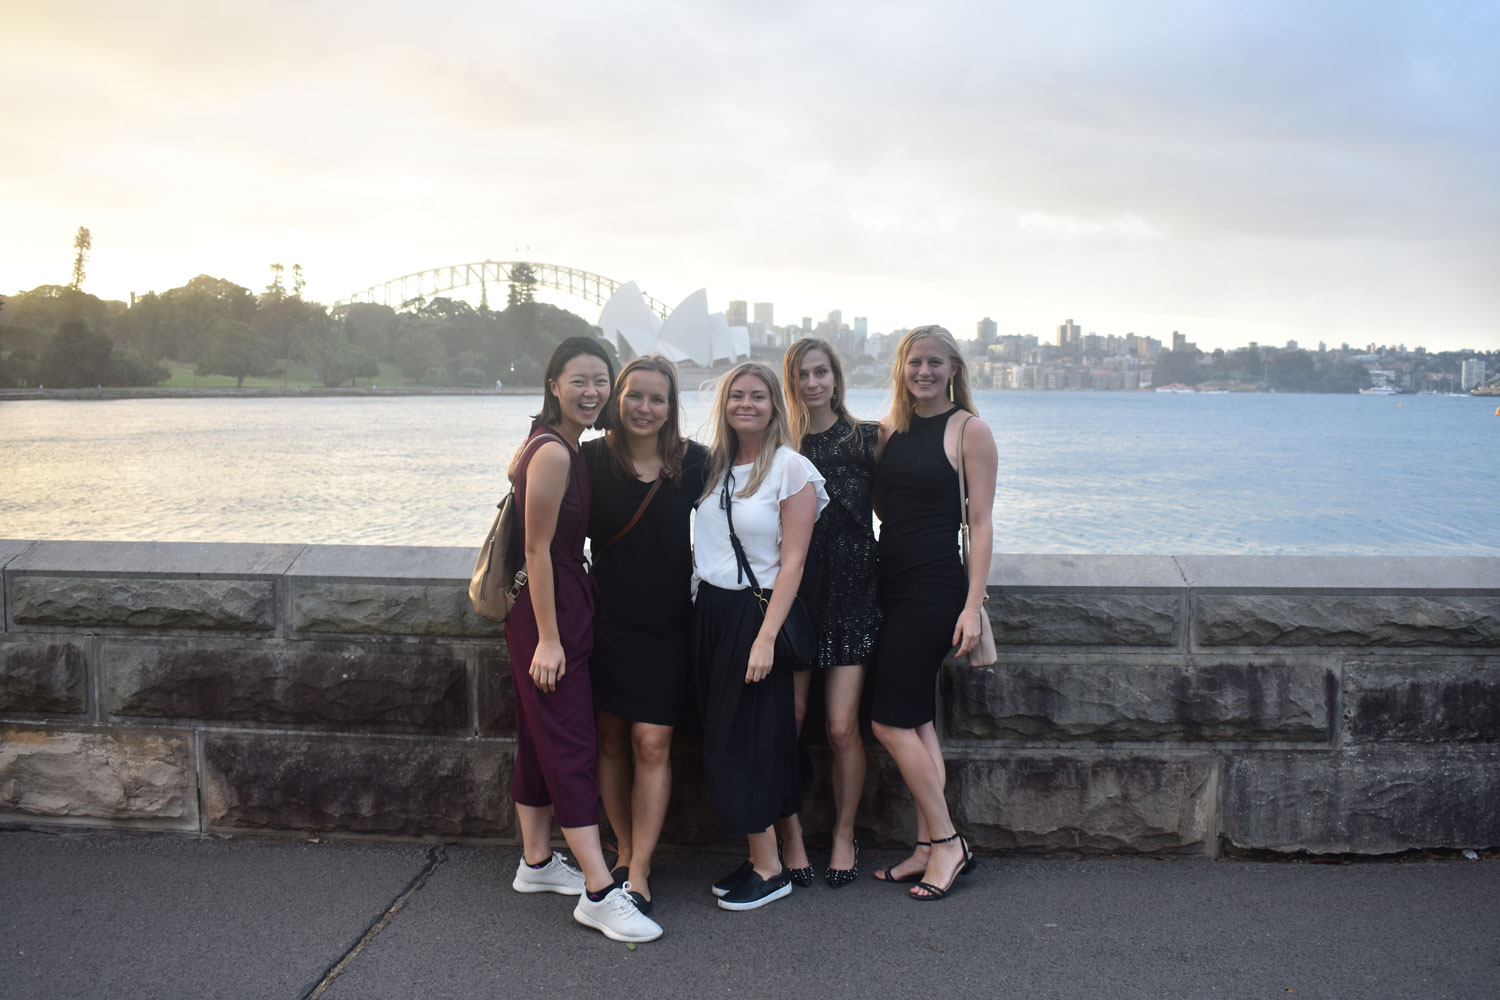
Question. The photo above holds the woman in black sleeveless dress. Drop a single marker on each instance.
(646, 478)
(929, 603)
(839, 584)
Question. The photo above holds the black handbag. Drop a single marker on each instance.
(796, 643)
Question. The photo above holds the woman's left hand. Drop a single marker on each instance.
(966, 631)
(762, 655)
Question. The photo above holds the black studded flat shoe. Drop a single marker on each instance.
(839, 877)
(799, 876)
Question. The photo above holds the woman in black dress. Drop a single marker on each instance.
(646, 478)
(839, 586)
(929, 603)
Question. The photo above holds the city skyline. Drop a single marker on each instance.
(1264, 174)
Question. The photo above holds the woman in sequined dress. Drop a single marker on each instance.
(839, 586)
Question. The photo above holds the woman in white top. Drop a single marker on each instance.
(771, 495)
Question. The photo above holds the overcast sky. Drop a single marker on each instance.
(1234, 170)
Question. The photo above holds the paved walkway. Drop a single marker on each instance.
(120, 916)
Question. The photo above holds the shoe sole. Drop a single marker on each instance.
(561, 890)
(769, 897)
(612, 934)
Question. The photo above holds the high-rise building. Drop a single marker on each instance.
(736, 314)
(836, 318)
(1068, 335)
(1471, 374)
(986, 332)
(763, 312)
(1179, 342)
(861, 327)
(807, 324)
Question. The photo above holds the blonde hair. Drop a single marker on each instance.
(797, 415)
(669, 440)
(726, 442)
(902, 403)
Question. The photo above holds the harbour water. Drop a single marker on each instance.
(1079, 472)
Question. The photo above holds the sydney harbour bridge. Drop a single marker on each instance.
(409, 289)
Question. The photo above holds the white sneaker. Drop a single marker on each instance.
(616, 917)
(555, 876)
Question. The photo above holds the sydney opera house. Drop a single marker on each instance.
(691, 335)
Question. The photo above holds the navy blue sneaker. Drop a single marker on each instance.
(730, 882)
(755, 891)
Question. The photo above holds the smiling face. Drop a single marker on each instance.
(815, 380)
(582, 389)
(644, 403)
(747, 405)
(928, 369)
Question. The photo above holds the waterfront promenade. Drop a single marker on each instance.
(124, 916)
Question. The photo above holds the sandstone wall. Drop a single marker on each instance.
(1181, 704)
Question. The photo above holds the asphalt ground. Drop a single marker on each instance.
(122, 916)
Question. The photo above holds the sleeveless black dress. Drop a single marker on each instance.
(922, 580)
(643, 616)
(840, 584)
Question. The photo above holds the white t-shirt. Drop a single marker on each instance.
(757, 521)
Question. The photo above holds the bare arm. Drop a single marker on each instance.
(877, 498)
(980, 465)
(798, 512)
(546, 481)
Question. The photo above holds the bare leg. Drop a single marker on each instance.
(615, 778)
(649, 797)
(583, 841)
(841, 691)
(536, 832)
(912, 750)
(763, 853)
(794, 852)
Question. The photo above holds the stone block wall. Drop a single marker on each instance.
(1161, 704)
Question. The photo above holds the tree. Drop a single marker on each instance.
(237, 349)
(82, 243)
(18, 369)
(47, 307)
(332, 356)
(276, 290)
(76, 356)
(298, 282)
(419, 347)
(522, 285)
(1177, 366)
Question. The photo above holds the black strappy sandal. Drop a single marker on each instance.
(884, 874)
(930, 891)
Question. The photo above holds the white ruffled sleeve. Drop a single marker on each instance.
(796, 472)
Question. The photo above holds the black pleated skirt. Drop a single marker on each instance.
(749, 730)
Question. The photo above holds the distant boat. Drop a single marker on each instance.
(1378, 390)
(1175, 387)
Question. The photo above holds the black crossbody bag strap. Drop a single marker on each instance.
(734, 540)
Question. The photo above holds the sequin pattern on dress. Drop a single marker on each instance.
(839, 584)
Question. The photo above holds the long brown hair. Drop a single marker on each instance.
(796, 409)
(902, 404)
(726, 442)
(669, 441)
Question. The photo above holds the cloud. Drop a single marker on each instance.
(1233, 162)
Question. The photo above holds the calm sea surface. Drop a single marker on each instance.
(1079, 472)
